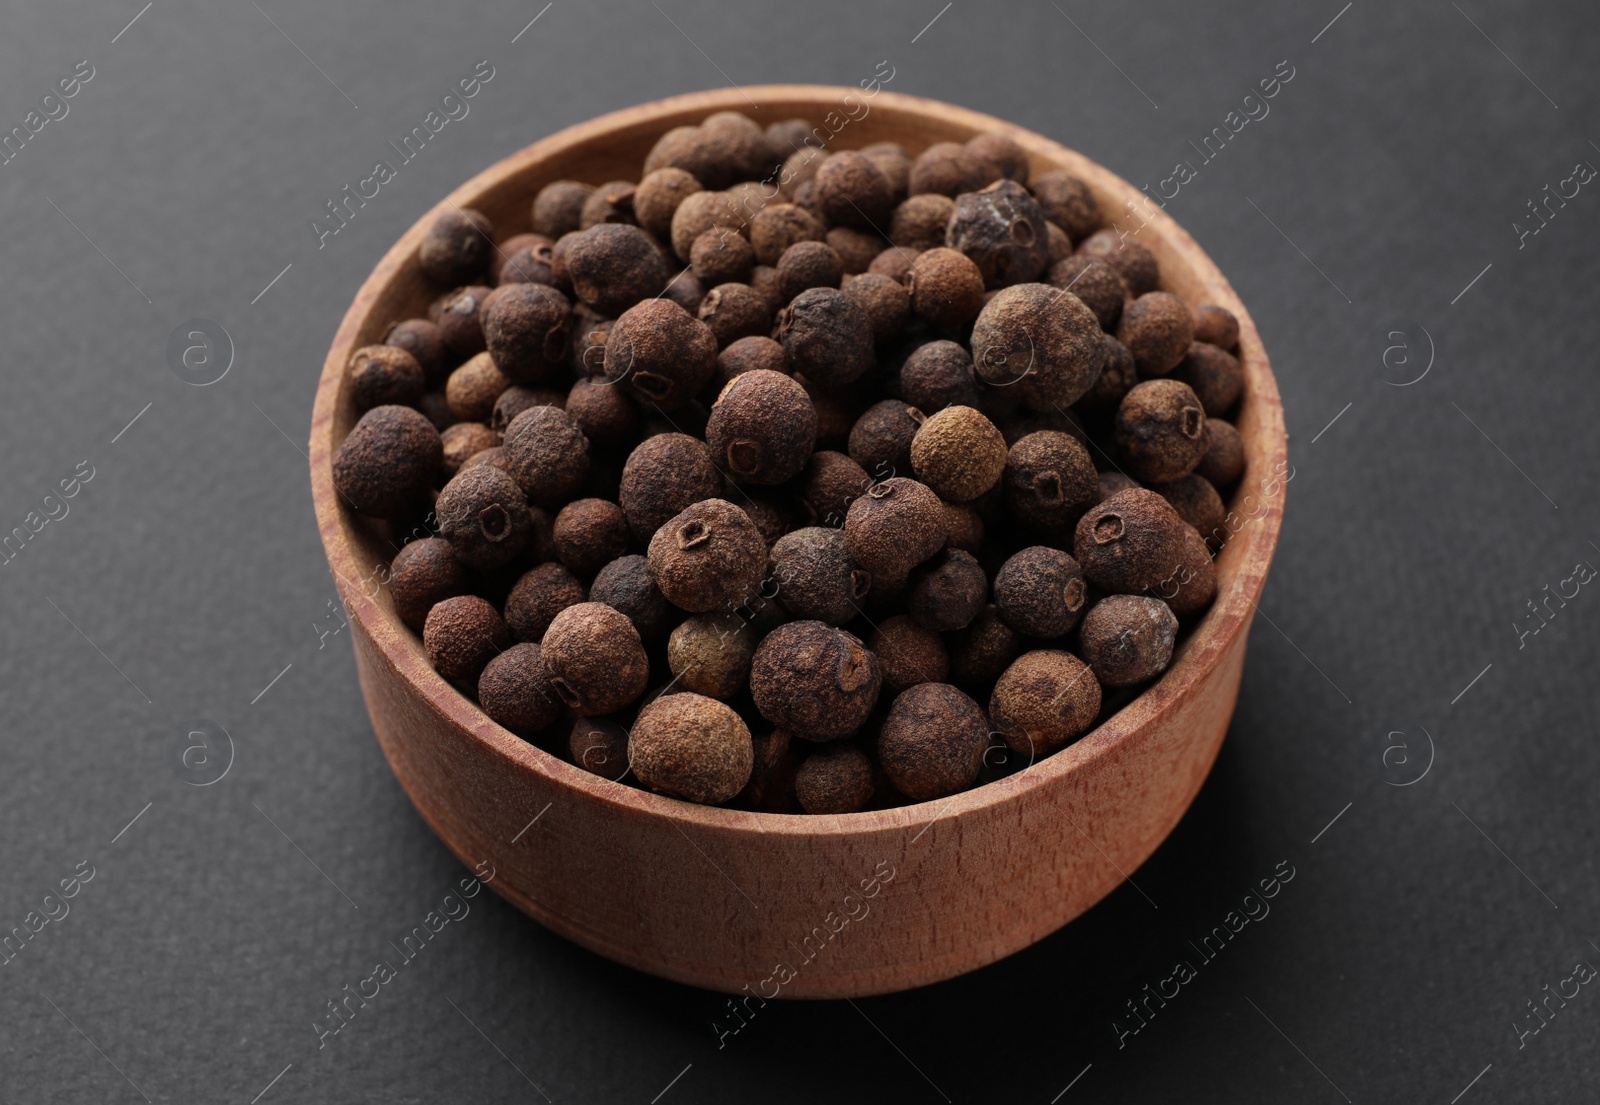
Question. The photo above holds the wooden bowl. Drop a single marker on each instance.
(770, 904)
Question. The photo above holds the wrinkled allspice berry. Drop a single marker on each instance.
(461, 635)
(815, 576)
(827, 336)
(836, 778)
(626, 583)
(932, 742)
(1040, 592)
(515, 691)
(383, 375)
(425, 573)
(816, 681)
(548, 455)
(908, 654)
(895, 526)
(958, 453)
(1128, 639)
(661, 353)
(457, 247)
(692, 747)
(1049, 481)
(525, 329)
(663, 476)
(1044, 700)
(1161, 430)
(710, 654)
(709, 557)
(484, 515)
(538, 596)
(762, 427)
(1041, 341)
(595, 659)
(1002, 229)
(948, 592)
(387, 462)
(589, 534)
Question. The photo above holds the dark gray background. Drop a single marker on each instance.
(188, 573)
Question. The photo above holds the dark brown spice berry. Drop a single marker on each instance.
(484, 516)
(895, 526)
(559, 206)
(808, 265)
(894, 163)
(785, 136)
(710, 654)
(950, 169)
(613, 266)
(777, 227)
(437, 409)
(937, 375)
(589, 534)
(1003, 230)
(1136, 264)
(800, 168)
(691, 747)
(626, 583)
(515, 691)
(516, 399)
(1045, 700)
(980, 652)
(932, 742)
(1130, 543)
(946, 287)
(660, 353)
(525, 329)
(538, 596)
(664, 475)
(762, 427)
(457, 247)
(461, 636)
(828, 484)
(548, 455)
(964, 528)
(384, 374)
(595, 659)
(852, 190)
(948, 592)
(958, 453)
(827, 336)
(1157, 330)
(856, 248)
(919, 223)
(709, 557)
(1161, 429)
(1128, 639)
(896, 261)
(387, 462)
(771, 786)
(721, 257)
(748, 354)
(740, 141)
(764, 279)
(1191, 586)
(908, 654)
(816, 578)
(1057, 243)
(816, 681)
(464, 440)
(1223, 462)
(699, 212)
(523, 259)
(456, 313)
(1113, 482)
(736, 311)
(1100, 286)
(1044, 342)
(1197, 502)
(423, 574)
(1117, 377)
(611, 202)
(1003, 152)
(1040, 592)
(1049, 481)
(474, 387)
(599, 746)
(886, 302)
(1067, 202)
(605, 414)
(1216, 326)
(425, 342)
(1214, 375)
(880, 440)
(686, 290)
(836, 778)
(658, 196)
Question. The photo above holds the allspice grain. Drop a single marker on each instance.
(852, 190)
(425, 342)
(1214, 375)
(461, 635)
(815, 576)
(1002, 151)
(611, 202)
(721, 256)
(828, 484)
(691, 747)
(736, 311)
(660, 353)
(1042, 341)
(1040, 592)
(1216, 326)
(895, 263)
(895, 526)
(663, 476)
(538, 596)
(1002, 229)
(827, 336)
(1128, 639)
(880, 440)
(657, 197)
(422, 574)
(946, 287)
(457, 247)
(589, 534)
(1197, 503)
(1223, 462)
(1044, 700)
(836, 778)
(457, 314)
(964, 528)
(515, 690)
(816, 681)
(382, 375)
(937, 375)
(710, 654)
(950, 169)
(806, 265)
(473, 388)
(747, 354)
(524, 259)
(599, 746)
(484, 515)
(1100, 286)
(856, 248)
(1067, 202)
(604, 413)
(548, 455)
(780, 225)
(771, 785)
(958, 453)
(709, 557)
(613, 266)
(1157, 329)
(762, 427)
(908, 654)
(516, 399)
(919, 222)
(596, 661)
(1191, 586)
(1049, 481)
(980, 652)
(932, 742)
(887, 303)
(1137, 265)
(387, 462)
(948, 592)
(626, 583)
(1117, 377)
(686, 290)
(1161, 430)
(559, 206)
(525, 329)
(1130, 543)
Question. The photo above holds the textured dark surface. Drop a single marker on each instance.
(1395, 966)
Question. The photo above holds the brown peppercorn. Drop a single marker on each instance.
(538, 596)
(613, 266)
(895, 526)
(464, 440)
(599, 746)
(664, 475)
(709, 557)
(932, 742)
(1136, 264)
(827, 336)
(908, 654)
(1157, 329)
(422, 574)
(1197, 502)
(457, 314)
(1216, 326)
(894, 163)
(937, 375)
(611, 202)
(1043, 341)
(691, 747)
(816, 578)
(777, 227)
(837, 409)
(762, 427)
(852, 191)
(1129, 543)
(958, 453)
(816, 681)
(559, 206)
(1161, 430)
(828, 484)
(425, 342)
(1040, 592)
(856, 248)
(980, 652)
(1190, 586)
(836, 778)
(747, 354)
(1045, 700)
(887, 303)
(1002, 151)
(919, 223)
(710, 654)
(605, 414)
(626, 584)
(807, 265)
(1049, 481)
(461, 635)
(801, 166)
(473, 388)
(484, 516)
(686, 290)
(721, 256)
(964, 528)
(1057, 244)
(524, 259)
(699, 212)
(457, 247)
(1128, 639)
(880, 440)
(1068, 202)
(1003, 230)
(387, 462)
(589, 534)
(382, 375)
(1223, 462)
(740, 140)
(657, 197)
(734, 311)
(1100, 286)
(548, 455)
(950, 169)
(895, 263)
(525, 329)
(785, 136)
(1117, 377)
(595, 658)
(661, 353)
(515, 691)
(948, 592)
(946, 287)
(1214, 375)
(516, 399)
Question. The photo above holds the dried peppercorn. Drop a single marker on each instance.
(816, 681)
(837, 409)
(464, 440)
(895, 263)
(746, 354)
(886, 302)
(816, 578)
(948, 592)
(423, 573)
(827, 336)
(1117, 377)
(806, 265)
(932, 742)
(852, 190)
(762, 427)
(946, 287)
(1002, 151)
(599, 746)
(894, 163)
(436, 408)
(739, 140)
(516, 399)
(484, 515)
(908, 654)
(456, 313)
(785, 136)
(1128, 639)
(1100, 286)
(1002, 229)
(699, 212)
(663, 476)
(950, 169)
(895, 526)
(382, 375)
(764, 280)
(473, 388)
(1214, 375)
(836, 778)
(1040, 592)
(461, 635)
(525, 329)
(1161, 430)
(800, 168)
(692, 747)
(596, 661)
(919, 222)
(1223, 462)
(523, 259)
(828, 484)
(1157, 329)
(548, 455)
(1216, 326)
(686, 290)
(657, 197)
(1113, 482)
(958, 453)
(387, 462)
(613, 266)
(661, 353)
(425, 342)
(1044, 700)
(856, 248)
(709, 557)
(771, 785)
(777, 227)
(515, 690)
(1129, 543)
(559, 206)
(1049, 481)
(734, 311)
(626, 583)
(1190, 587)
(605, 414)
(980, 652)
(611, 202)
(880, 440)
(589, 534)
(1197, 502)
(1057, 244)
(964, 528)
(538, 596)
(710, 654)
(1042, 341)
(1068, 202)
(1136, 264)
(721, 257)
(457, 247)
(937, 375)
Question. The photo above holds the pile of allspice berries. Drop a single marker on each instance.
(799, 479)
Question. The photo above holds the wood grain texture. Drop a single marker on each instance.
(777, 905)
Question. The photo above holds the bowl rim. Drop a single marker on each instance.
(1206, 645)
